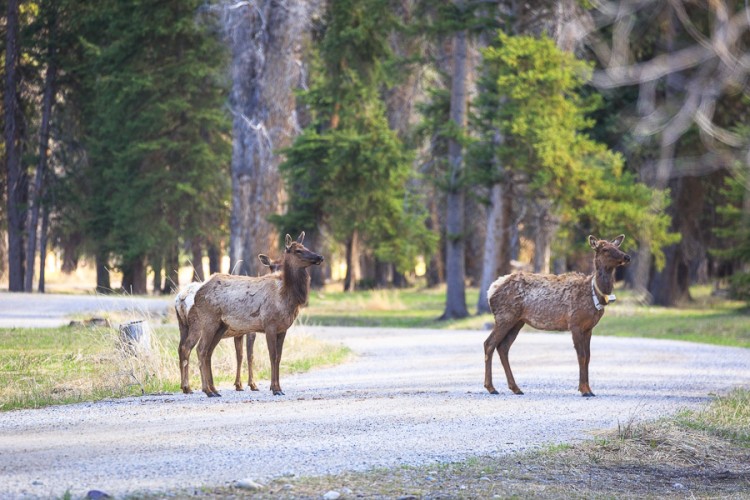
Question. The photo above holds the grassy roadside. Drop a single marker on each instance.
(703, 454)
(44, 366)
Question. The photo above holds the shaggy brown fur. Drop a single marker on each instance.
(227, 305)
(549, 302)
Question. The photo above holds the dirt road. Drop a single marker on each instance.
(409, 397)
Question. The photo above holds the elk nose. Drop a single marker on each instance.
(627, 258)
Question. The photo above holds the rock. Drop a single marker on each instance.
(678, 486)
(96, 495)
(332, 495)
(248, 484)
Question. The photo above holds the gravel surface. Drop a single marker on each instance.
(409, 397)
(52, 310)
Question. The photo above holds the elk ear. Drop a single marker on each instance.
(265, 260)
(301, 237)
(618, 241)
(593, 241)
(288, 241)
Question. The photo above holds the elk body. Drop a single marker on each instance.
(570, 301)
(267, 304)
(184, 301)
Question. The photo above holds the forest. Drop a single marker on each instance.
(464, 138)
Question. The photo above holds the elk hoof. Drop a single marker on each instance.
(588, 395)
(518, 391)
(213, 394)
(492, 390)
(254, 387)
(238, 388)
(187, 390)
(278, 393)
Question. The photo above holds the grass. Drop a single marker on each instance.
(44, 366)
(706, 319)
(703, 454)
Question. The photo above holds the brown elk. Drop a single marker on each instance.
(267, 304)
(184, 301)
(572, 301)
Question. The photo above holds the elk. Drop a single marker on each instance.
(185, 299)
(572, 301)
(228, 305)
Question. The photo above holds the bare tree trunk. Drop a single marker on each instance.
(36, 195)
(266, 41)
(134, 277)
(197, 252)
(172, 270)
(495, 245)
(352, 263)
(435, 267)
(103, 283)
(43, 237)
(455, 304)
(157, 265)
(313, 240)
(12, 134)
(214, 258)
(544, 231)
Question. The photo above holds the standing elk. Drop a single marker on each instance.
(185, 299)
(572, 301)
(226, 303)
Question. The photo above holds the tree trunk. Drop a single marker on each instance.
(435, 267)
(43, 237)
(496, 244)
(103, 284)
(172, 271)
(544, 231)
(134, 277)
(352, 263)
(266, 41)
(214, 259)
(455, 304)
(36, 195)
(197, 252)
(382, 274)
(12, 135)
(157, 265)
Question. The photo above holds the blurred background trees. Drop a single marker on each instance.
(469, 138)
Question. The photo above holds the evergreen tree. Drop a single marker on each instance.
(153, 129)
(348, 170)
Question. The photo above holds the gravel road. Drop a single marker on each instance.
(408, 397)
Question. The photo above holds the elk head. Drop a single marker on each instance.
(298, 255)
(608, 253)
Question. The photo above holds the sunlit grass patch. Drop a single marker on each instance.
(44, 366)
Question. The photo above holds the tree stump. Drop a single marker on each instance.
(135, 337)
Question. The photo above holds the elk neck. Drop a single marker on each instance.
(605, 279)
(296, 283)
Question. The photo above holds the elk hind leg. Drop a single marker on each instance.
(184, 349)
(499, 331)
(250, 342)
(502, 352)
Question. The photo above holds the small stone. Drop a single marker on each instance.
(97, 495)
(678, 486)
(484, 478)
(407, 497)
(248, 484)
(332, 495)
(36, 483)
(346, 491)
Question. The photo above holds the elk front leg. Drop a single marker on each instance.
(209, 338)
(582, 343)
(275, 357)
(250, 342)
(492, 342)
(238, 356)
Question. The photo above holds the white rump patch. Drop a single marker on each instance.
(185, 299)
(495, 285)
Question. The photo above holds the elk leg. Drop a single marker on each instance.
(271, 340)
(502, 351)
(238, 355)
(249, 343)
(496, 336)
(204, 354)
(582, 343)
(217, 338)
(186, 346)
